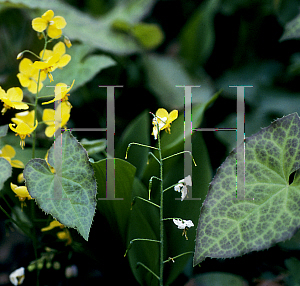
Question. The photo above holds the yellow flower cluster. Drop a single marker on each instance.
(31, 76)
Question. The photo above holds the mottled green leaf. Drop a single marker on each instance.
(5, 171)
(228, 227)
(68, 194)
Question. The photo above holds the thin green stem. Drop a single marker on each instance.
(142, 145)
(150, 153)
(147, 268)
(173, 258)
(171, 218)
(170, 187)
(147, 201)
(30, 52)
(179, 154)
(139, 239)
(150, 184)
(161, 216)
(36, 99)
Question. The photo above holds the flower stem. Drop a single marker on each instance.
(37, 97)
(161, 216)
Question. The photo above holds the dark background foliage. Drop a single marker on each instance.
(231, 43)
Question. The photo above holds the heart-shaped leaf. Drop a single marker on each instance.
(5, 171)
(68, 193)
(229, 227)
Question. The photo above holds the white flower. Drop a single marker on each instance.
(17, 277)
(183, 224)
(182, 186)
(161, 122)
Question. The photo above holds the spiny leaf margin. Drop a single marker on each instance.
(228, 227)
(69, 195)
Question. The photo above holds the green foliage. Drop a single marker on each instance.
(148, 35)
(3, 130)
(229, 227)
(144, 223)
(137, 131)
(83, 67)
(219, 278)
(93, 146)
(100, 33)
(5, 171)
(165, 75)
(197, 36)
(117, 212)
(291, 30)
(69, 193)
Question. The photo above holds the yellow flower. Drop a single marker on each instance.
(12, 98)
(65, 235)
(163, 120)
(61, 90)
(21, 192)
(49, 114)
(54, 24)
(48, 65)
(8, 152)
(20, 178)
(52, 225)
(28, 76)
(24, 121)
(60, 49)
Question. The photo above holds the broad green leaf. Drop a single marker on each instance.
(97, 33)
(82, 67)
(117, 212)
(68, 194)
(217, 279)
(5, 171)
(197, 36)
(270, 213)
(93, 146)
(148, 35)
(137, 131)
(291, 30)
(164, 74)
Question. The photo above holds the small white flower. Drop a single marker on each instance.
(161, 122)
(183, 224)
(17, 277)
(182, 186)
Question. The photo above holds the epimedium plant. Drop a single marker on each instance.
(68, 186)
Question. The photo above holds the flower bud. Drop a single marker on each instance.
(20, 56)
(67, 42)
